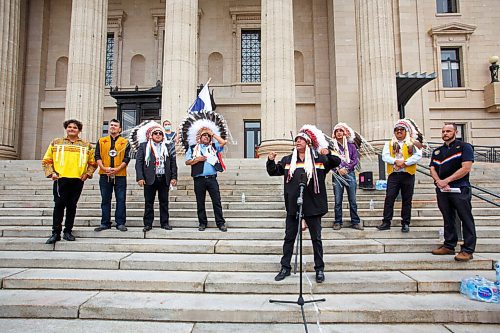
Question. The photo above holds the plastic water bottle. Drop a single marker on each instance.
(441, 235)
(497, 269)
(372, 204)
(480, 289)
(243, 198)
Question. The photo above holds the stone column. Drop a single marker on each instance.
(179, 60)
(86, 61)
(277, 77)
(10, 20)
(377, 72)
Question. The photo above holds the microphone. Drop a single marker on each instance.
(302, 185)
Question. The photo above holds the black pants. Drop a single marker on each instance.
(292, 225)
(66, 194)
(201, 186)
(395, 182)
(149, 197)
(451, 204)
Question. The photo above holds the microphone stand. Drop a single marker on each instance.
(300, 300)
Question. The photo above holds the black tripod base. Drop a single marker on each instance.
(300, 301)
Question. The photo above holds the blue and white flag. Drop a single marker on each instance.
(203, 101)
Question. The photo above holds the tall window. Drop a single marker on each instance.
(446, 6)
(250, 56)
(450, 66)
(110, 53)
(252, 138)
(105, 127)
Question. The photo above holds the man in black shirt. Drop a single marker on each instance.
(450, 167)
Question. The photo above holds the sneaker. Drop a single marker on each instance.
(337, 226)
(121, 227)
(357, 226)
(283, 273)
(463, 256)
(442, 250)
(101, 228)
(320, 276)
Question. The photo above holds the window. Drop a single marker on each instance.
(450, 66)
(446, 6)
(252, 138)
(110, 53)
(105, 127)
(250, 56)
(460, 132)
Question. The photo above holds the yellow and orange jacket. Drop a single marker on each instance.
(69, 159)
(121, 149)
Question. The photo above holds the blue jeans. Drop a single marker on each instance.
(338, 191)
(107, 185)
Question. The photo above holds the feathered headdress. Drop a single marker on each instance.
(143, 133)
(363, 146)
(413, 134)
(197, 123)
(316, 141)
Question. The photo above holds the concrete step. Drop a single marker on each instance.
(59, 259)
(240, 233)
(270, 263)
(124, 326)
(187, 307)
(236, 282)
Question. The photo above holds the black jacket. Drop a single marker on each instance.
(147, 172)
(314, 204)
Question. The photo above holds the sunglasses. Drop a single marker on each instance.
(399, 129)
(158, 133)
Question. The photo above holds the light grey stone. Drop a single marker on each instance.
(42, 303)
(124, 280)
(444, 281)
(89, 326)
(473, 328)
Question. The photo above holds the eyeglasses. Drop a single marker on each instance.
(158, 133)
(205, 134)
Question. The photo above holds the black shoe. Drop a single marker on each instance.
(166, 227)
(405, 228)
(101, 228)
(222, 228)
(284, 272)
(320, 276)
(121, 227)
(357, 226)
(384, 226)
(147, 228)
(68, 236)
(201, 228)
(54, 238)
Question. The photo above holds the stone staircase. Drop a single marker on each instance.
(189, 281)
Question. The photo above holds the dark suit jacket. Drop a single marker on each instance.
(147, 172)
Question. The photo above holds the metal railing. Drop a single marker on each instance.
(490, 154)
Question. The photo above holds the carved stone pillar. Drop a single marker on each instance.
(377, 73)
(277, 77)
(86, 65)
(10, 20)
(179, 60)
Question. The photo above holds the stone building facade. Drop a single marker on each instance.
(274, 65)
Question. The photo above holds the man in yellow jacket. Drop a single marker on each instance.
(112, 156)
(401, 155)
(69, 162)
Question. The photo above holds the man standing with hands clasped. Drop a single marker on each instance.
(155, 170)
(450, 168)
(112, 156)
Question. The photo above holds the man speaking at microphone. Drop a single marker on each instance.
(311, 158)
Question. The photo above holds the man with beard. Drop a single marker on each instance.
(450, 168)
